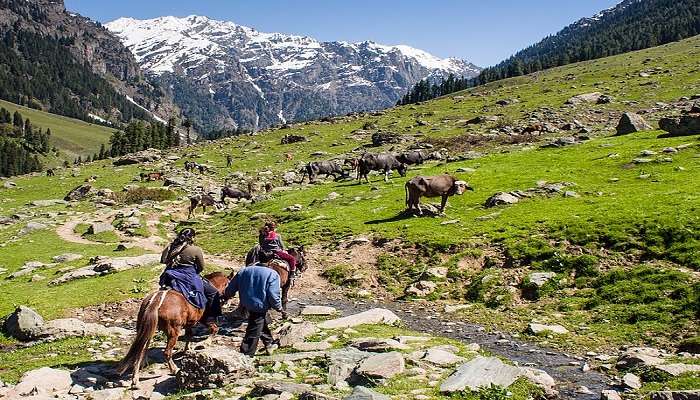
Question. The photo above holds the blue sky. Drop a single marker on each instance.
(483, 32)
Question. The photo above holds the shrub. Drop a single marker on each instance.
(341, 275)
(526, 251)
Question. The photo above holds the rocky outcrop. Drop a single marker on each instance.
(141, 157)
(381, 366)
(685, 125)
(631, 123)
(105, 265)
(78, 193)
(24, 324)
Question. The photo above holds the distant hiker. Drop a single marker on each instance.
(184, 262)
(229, 161)
(271, 242)
(259, 290)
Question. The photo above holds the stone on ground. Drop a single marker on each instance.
(67, 257)
(540, 278)
(363, 393)
(44, 381)
(263, 388)
(536, 329)
(631, 381)
(290, 334)
(676, 395)
(631, 123)
(382, 366)
(678, 369)
(639, 357)
(686, 125)
(24, 324)
(213, 367)
(499, 199)
(318, 310)
(441, 357)
(481, 371)
(541, 379)
(100, 227)
(373, 316)
(69, 327)
(421, 288)
(311, 346)
(378, 344)
(610, 395)
(342, 363)
(106, 265)
(32, 227)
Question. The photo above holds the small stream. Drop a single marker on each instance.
(560, 366)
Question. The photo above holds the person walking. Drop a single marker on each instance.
(259, 289)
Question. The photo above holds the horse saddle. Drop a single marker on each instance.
(254, 256)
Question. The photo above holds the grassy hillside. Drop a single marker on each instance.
(623, 246)
(72, 136)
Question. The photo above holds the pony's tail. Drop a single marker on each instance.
(146, 326)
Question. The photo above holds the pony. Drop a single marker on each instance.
(168, 311)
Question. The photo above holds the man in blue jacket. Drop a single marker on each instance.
(259, 290)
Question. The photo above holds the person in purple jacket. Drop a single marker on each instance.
(259, 289)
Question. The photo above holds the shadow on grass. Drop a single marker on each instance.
(398, 217)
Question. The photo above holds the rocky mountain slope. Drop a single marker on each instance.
(227, 75)
(67, 64)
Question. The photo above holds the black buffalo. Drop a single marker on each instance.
(327, 168)
(234, 193)
(380, 162)
(411, 158)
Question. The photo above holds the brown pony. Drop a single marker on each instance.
(166, 310)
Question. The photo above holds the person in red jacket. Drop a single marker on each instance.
(271, 242)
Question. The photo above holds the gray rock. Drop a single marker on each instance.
(318, 310)
(639, 357)
(676, 395)
(9, 185)
(678, 368)
(67, 257)
(32, 227)
(47, 203)
(686, 125)
(501, 198)
(381, 366)
(213, 367)
(585, 98)
(631, 123)
(263, 388)
(105, 265)
(610, 395)
(540, 278)
(24, 324)
(43, 382)
(421, 288)
(373, 316)
(363, 393)
(311, 346)
(78, 193)
(73, 327)
(631, 381)
(378, 344)
(342, 363)
(481, 371)
(441, 357)
(542, 379)
(296, 333)
(100, 227)
(536, 329)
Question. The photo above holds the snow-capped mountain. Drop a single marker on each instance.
(226, 75)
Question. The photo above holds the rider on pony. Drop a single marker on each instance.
(271, 242)
(184, 262)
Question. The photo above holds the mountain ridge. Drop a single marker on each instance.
(260, 79)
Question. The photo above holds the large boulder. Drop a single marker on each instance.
(639, 357)
(373, 316)
(69, 327)
(378, 344)
(630, 123)
(32, 227)
(381, 366)
(585, 98)
(541, 379)
(78, 193)
(213, 367)
(678, 369)
(501, 198)
(24, 324)
(686, 125)
(481, 372)
(342, 363)
(441, 357)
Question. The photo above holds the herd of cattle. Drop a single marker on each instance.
(442, 186)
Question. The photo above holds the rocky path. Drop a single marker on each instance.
(572, 382)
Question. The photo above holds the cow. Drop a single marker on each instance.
(190, 166)
(433, 186)
(204, 200)
(414, 157)
(380, 162)
(50, 172)
(234, 193)
(327, 168)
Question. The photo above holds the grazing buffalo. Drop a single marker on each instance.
(433, 186)
(151, 176)
(327, 168)
(233, 193)
(203, 200)
(411, 157)
(380, 162)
